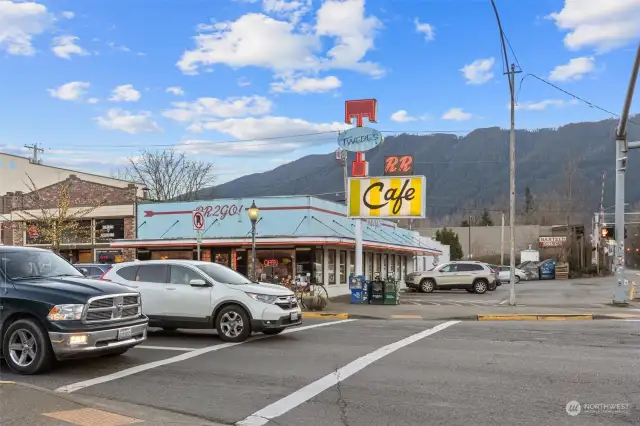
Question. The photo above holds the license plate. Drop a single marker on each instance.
(124, 333)
(294, 316)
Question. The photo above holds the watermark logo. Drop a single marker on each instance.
(573, 408)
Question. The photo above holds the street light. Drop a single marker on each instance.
(254, 215)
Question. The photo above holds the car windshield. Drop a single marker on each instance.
(32, 264)
(222, 274)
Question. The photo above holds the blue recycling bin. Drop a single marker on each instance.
(359, 293)
(547, 270)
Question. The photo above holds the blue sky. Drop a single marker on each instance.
(95, 81)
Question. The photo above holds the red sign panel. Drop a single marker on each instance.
(360, 109)
(271, 262)
(198, 221)
(398, 165)
(359, 168)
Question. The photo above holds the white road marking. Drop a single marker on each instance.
(503, 302)
(182, 357)
(304, 394)
(165, 348)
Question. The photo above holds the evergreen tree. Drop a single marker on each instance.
(450, 238)
(529, 206)
(485, 219)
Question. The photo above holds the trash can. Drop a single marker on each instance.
(391, 292)
(377, 292)
(356, 286)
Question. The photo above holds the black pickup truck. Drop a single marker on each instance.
(49, 311)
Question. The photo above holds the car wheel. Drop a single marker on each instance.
(427, 286)
(26, 347)
(516, 279)
(480, 287)
(116, 353)
(272, 331)
(233, 324)
(469, 290)
(492, 286)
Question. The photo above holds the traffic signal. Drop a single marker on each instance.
(608, 232)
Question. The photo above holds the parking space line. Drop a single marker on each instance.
(304, 394)
(166, 348)
(182, 357)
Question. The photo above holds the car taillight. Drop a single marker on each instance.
(103, 274)
(492, 271)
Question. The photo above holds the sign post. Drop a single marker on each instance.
(197, 218)
(359, 139)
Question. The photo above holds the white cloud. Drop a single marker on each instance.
(426, 29)
(175, 90)
(263, 135)
(261, 41)
(456, 114)
(125, 121)
(19, 23)
(402, 116)
(574, 70)
(298, 84)
(479, 71)
(93, 100)
(65, 46)
(243, 82)
(207, 109)
(600, 24)
(293, 10)
(543, 105)
(125, 93)
(68, 15)
(72, 91)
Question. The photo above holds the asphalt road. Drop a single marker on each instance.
(358, 372)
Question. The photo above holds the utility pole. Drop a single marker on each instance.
(502, 240)
(35, 150)
(469, 245)
(621, 291)
(345, 174)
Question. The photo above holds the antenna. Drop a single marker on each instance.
(36, 150)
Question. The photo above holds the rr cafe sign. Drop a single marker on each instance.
(387, 197)
(359, 139)
(398, 165)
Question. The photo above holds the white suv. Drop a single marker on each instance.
(192, 294)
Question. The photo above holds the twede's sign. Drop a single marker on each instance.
(387, 197)
(359, 139)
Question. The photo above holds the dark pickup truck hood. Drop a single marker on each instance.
(69, 289)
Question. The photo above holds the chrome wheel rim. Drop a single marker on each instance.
(427, 286)
(480, 287)
(22, 348)
(231, 324)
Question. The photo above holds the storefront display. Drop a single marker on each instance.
(318, 267)
(109, 256)
(108, 230)
(352, 262)
(331, 265)
(383, 269)
(343, 267)
(275, 266)
(172, 254)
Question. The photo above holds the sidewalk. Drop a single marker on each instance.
(27, 405)
(340, 308)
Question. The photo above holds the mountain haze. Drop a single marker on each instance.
(469, 170)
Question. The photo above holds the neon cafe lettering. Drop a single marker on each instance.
(390, 195)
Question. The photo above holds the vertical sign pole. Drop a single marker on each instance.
(198, 241)
(502, 240)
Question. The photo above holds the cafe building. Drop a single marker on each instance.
(295, 237)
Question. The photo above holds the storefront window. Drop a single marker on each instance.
(352, 262)
(398, 259)
(392, 266)
(109, 256)
(77, 232)
(378, 266)
(331, 264)
(343, 267)
(172, 254)
(304, 264)
(403, 270)
(369, 274)
(108, 230)
(385, 264)
(221, 258)
(318, 267)
(272, 266)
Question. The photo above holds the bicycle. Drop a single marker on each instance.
(317, 292)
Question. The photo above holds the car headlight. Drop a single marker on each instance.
(265, 298)
(65, 313)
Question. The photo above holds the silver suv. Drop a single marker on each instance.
(475, 277)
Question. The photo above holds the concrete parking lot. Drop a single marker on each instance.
(358, 372)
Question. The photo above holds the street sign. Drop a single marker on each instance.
(398, 165)
(387, 197)
(359, 109)
(198, 220)
(359, 139)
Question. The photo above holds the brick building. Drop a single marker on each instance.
(102, 213)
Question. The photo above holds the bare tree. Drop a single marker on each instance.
(168, 174)
(55, 219)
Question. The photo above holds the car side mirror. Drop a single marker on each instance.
(198, 283)
(84, 271)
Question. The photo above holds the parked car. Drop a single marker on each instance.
(51, 311)
(475, 277)
(92, 270)
(505, 274)
(193, 294)
(496, 271)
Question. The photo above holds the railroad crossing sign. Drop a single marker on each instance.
(198, 220)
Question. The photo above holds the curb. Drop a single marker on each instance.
(535, 317)
(482, 317)
(325, 315)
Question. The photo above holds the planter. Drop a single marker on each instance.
(315, 303)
